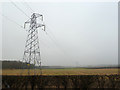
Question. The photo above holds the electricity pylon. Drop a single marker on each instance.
(32, 49)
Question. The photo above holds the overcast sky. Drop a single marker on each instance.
(78, 34)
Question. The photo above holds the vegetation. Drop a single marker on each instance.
(14, 65)
(21, 65)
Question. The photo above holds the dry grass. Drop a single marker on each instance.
(78, 71)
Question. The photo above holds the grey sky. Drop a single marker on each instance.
(81, 33)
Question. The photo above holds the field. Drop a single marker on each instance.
(72, 71)
(60, 78)
(84, 82)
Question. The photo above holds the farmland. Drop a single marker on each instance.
(60, 78)
(69, 71)
(61, 81)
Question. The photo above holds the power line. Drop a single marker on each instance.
(25, 3)
(12, 20)
(52, 37)
(19, 9)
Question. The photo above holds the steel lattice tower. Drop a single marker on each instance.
(32, 49)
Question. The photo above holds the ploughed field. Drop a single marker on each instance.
(85, 82)
(60, 78)
(71, 71)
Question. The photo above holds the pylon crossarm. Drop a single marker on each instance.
(39, 15)
(28, 21)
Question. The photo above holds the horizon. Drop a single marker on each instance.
(77, 33)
